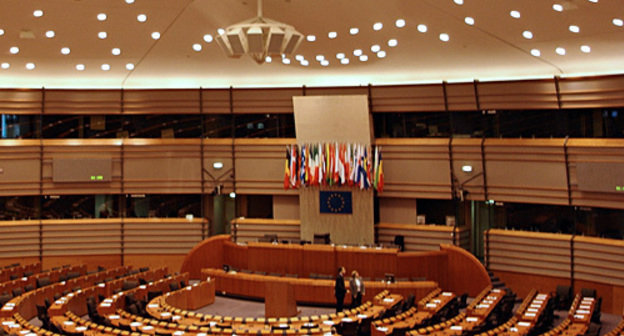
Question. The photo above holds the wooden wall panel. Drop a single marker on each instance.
(461, 97)
(253, 229)
(280, 258)
(319, 259)
(173, 262)
(161, 101)
(468, 152)
(285, 207)
(218, 150)
(81, 149)
(427, 265)
(372, 263)
(216, 101)
(397, 210)
(407, 98)
(337, 90)
(592, 92)
(174, 236)
(535, 253)
(599, 260)
(418, 237)
(594, 151)
(465, 272)
(20, 163)
(260, 166)
(526, 170)
(416, 168)
(518, 95)
(162, 166)
(20, 101)
(83, 102)
(235, 254)
(270, 100)
(81, 237)
(208, 253)
(19, 239)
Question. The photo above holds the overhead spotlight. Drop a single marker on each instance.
(217, 165)
(466, 168)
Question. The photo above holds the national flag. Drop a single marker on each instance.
(380, 174)
(287, 169)
(293, 167)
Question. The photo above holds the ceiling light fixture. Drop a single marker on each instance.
(332, 35)
(80, 67)
(156, 35)
(469, 20)
(30, 66)
(259, 37)
(5, 65)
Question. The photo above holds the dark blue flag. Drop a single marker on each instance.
(335, 202)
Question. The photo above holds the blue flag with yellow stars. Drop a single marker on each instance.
(335, 202)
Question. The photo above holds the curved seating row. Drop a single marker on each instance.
(17, 271)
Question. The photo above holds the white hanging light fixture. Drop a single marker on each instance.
(259, 38)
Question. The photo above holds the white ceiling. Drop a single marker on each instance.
(492, 49)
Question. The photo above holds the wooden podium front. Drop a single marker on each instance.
(279, 299)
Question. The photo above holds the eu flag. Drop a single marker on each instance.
(335, 202)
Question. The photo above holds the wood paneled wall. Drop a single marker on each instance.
(107, 242)
(552, 93)
(525, 260)
(539, 171)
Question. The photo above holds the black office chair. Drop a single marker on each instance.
(400, 242)
(588, 292)
(563, 295)
(129, 284)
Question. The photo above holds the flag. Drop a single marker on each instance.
(293, 167)
(302, 168)
(287, 169)
(335, 202)
(380, 174)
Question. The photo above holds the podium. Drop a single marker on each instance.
(279, 300)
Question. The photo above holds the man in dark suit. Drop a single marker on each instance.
(339, 289)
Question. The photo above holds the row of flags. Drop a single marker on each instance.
(333, 164)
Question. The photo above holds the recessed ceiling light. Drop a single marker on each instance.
(130, 66)
(30, 66)
(422, 28)
(80, 67)
(220, 31)
(618, 22)
(332, 35)
(444, 37)
(354, 31)
(400, 23)
(381, 54)
(14, 50)
(102, 35)
(268, 59)
(116, 51)
(357, 52)
(340, 55)
(299, 58)
(141, 17)
(305, 62)
(197, 47)
(38, 13)
(344, 61)
(393, 42)
(375, 48)
(558, 7)
(574, 28)
(320, 57)
(324, 62)
(286, 60)
(105, 67)
(129, 1)
(311, 38)
(65, 51)
(363, 58)
(469, 21)
(1, 32)
(535, 52)
(50, 34)
(594, 1)
(208, 38)
(586, 49)
(5, 65)
(515, 14)
(377, 26)
(560, 51)
(155, 35)
(459, 2)
(527, 34)
(101, 17)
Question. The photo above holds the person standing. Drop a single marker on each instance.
(357, 289)
(339, 289)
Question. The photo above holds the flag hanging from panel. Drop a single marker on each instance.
(333, 164)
